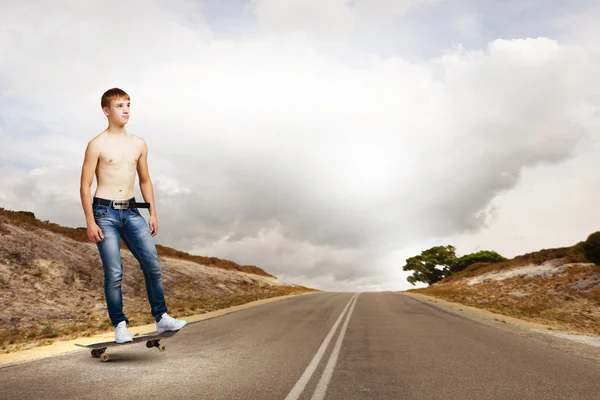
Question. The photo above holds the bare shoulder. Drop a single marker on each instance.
(139, 142)
(96, 142)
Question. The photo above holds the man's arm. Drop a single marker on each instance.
(146, 187)
(92, 152)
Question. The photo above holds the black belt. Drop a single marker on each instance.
(120, 204)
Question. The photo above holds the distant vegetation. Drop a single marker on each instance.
(441, 262)
(591, 248)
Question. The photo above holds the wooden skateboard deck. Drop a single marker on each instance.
(152, 339)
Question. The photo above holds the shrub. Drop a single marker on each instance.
(48, 332)
(591, 248)
(484, 256)
(578, 254)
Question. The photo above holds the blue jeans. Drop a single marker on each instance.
(133, 228)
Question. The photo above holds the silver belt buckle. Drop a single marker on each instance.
(120, 204)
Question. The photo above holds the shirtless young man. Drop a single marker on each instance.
(115, 156)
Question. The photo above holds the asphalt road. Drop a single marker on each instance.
(335, 346)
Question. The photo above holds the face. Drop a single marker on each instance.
(118, 112)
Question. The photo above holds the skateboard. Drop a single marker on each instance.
(152, 339)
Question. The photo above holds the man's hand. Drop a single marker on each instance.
(153, 225)
(94, 233)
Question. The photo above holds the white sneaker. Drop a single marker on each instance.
(168, 323)
(122, 334)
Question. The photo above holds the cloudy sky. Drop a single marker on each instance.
(325, 141)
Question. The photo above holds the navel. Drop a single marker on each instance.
(109, 160)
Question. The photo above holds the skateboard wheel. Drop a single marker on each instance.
(162, 347)
(149, 344)
(104, 357)
(95, 353)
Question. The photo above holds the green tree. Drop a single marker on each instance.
(469, 259)
(439, 262)
(431, 265)
(591, 248)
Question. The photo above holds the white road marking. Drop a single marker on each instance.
(321, 389)
(309, 371)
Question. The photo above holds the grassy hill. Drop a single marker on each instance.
(553, 286)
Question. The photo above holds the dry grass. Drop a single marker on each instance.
(51, 284)
(27, 220)
(566, 254)
(210, 261)
(568, 298)
(88, 323)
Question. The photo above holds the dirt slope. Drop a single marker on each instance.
(545, 287)
(51, 284)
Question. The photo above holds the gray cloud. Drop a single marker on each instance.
(269, 151)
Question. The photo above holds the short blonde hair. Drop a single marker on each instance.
(113, 94)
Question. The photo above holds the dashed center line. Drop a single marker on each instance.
(326, 377)
(321, 389)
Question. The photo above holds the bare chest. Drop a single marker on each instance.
(118, 155)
